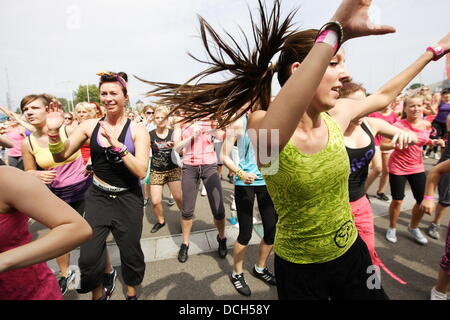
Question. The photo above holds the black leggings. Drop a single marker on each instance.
(245, 198)
(416, 181)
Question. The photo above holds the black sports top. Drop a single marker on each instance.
(115, 174)
(359, 166)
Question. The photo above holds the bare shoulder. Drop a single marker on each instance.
(88, 126)
(255, 118)
(15, 184)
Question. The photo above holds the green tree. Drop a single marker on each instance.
(415, 86)
(81, 94)
(65, 103)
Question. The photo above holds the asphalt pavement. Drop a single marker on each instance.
(205, 276)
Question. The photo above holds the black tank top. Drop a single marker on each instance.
(359, 166)
(446, 153)
(161, 152)
(115, 174)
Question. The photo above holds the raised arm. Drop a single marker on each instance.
(25, 193)
(292, 101)
(397, 136)
(55, 120)
(14, 116)
(347, 110)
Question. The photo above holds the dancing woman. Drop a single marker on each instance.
(317, 247)
(119, 153)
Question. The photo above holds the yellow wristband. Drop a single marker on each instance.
(240, 174)
(56, 148)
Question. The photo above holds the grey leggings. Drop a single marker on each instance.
(189, 183)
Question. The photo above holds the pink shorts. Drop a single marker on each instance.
(362, 211)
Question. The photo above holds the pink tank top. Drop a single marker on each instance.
(16, 138)
(201, 150)
(409, 160)
(36, 282)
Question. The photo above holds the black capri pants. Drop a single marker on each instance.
(416, 181)
(349, 277)
(245, 199)
(119, 213)
(190, 181)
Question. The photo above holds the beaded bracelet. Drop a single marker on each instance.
(240, 174)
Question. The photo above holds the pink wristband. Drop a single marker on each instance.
(428, 198)
(330, 37)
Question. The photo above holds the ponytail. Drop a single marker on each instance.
(252, 72)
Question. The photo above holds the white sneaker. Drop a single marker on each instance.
(203, 193)
(418, 236)
(233, 205)
(391, 235)
(436, 295)
(437, 156)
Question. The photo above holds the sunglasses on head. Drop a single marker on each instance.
(67, 118)
(149, 112)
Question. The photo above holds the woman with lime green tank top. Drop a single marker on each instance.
(318, 254)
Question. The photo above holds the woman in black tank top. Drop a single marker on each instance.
(163, 168)
(360, 145)
(119, 152)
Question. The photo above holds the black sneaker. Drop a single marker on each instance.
(132, 297)
(183, 253)
(240, 285)
(157, 226)
(265, 276)
(222, 247)
(382, 196)
(64, 282)
(171, 202)
(109, 282)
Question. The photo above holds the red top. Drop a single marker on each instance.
(85, 152)
(409, 160)
(36, 282)
(391, 118)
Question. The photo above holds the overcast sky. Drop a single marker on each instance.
(55, 45)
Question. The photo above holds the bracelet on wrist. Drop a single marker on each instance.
(437, 51)
(240, 174)
(332, 33)
(53, 136)
(124, 152)
(56, 148)
(428, 198)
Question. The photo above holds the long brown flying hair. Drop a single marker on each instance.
(251, 70)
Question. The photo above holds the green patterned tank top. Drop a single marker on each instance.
(310, 193)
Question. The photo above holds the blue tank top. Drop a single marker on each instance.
(247, 159)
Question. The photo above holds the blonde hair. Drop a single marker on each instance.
(162, 109)
(410, 97)
(89, 107)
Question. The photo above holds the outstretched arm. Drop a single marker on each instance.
(347, 110)
(14, 116)
(25, 193)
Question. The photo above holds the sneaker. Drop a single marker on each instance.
(433, 231)
(64, 282)
(105, 296)
(171, 202)
(109, 282)
(391, 235)
(418, 236)
(145, 202)
(131, 298)
(203, 193)
(265, 276)
(240, 285)
(183, 253)
(436, 295)
(222, 247)
(382, 196)
(157, 226)
(233, 220)
(230, 179)
(437, 156)
(233, 205)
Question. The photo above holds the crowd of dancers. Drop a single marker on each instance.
(103, 164)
